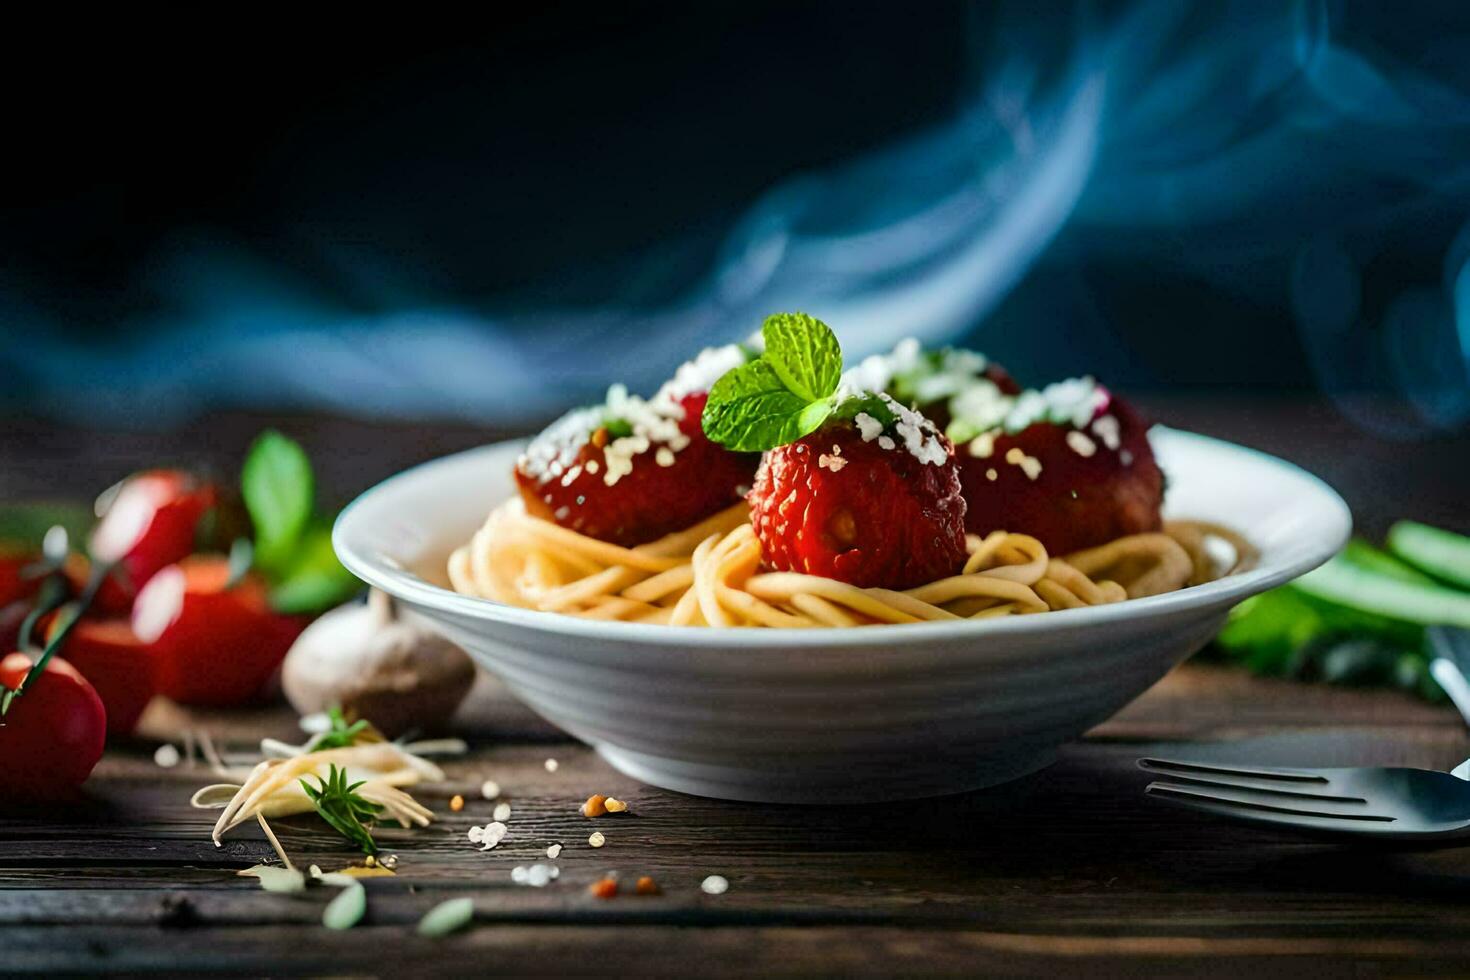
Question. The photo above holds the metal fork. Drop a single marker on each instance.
(1382, 803)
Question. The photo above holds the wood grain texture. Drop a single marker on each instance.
(1069, 872)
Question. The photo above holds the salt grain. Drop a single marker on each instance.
(502, 811)
(489, 789)
(597, 840)
(167, 756)
(714, 885)
(554, 851)
(536, 876)
(552, 765)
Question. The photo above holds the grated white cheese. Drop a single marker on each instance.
(832, 461)
(1080, 443)
(869, 427)
(1106, 428)
(983, 445)
(919, 436)
(699, 373)
(1071, 402)
(654, 423)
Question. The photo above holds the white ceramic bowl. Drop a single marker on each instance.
(827, 716)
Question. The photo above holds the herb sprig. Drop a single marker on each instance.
(340, 806)
(785, 393)
(340, 735)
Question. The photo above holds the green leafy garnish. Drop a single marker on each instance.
(447, 917)
(278, 488)
(341, 807)
(784, 394)
(340, 735)
(347, 909)
(293, 548)
(1357, 620)
(315, 580)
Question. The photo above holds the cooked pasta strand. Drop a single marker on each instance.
(710, 575)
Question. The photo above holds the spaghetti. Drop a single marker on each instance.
(710, 575)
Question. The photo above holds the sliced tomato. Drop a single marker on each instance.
(149, 523)
(52, 736)
(212, 643)
(117, 664)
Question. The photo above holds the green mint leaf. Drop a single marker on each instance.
(804, 354)
(750, 409)
(314, 580)
(278, 488)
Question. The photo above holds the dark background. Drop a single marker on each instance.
(486, 222)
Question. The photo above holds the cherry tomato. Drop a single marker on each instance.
(117, 664)
(52, 736)
(150, 522)
(212, 644)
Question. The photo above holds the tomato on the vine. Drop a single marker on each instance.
(117, 664)
(149, 522)
(214, 641)
(52, 735)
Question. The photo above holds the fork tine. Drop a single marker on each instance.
(1277, 789)
(1252, 805)
(1175, 768)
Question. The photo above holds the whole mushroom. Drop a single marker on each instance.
(370, 663)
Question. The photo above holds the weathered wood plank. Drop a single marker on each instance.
(634, 950)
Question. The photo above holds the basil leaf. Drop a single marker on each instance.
(278, 488)
(750, 409)
(315, 580)
(804, 354)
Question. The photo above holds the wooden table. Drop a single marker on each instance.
(1069, 871)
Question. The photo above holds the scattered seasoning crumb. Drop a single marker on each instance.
(502, 811)
(489, 789)
(714, 885)
(370, 861)
(615, 806)
(604, 888)
(456, 803)
(390, 862)
(595, 806)
(552, 765)
(167, 756)
(597, 840)
(536, 876)
(646, 886)
(992, 475)
(488, 836)
(554, 851)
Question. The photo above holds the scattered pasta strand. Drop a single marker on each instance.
(710, 575)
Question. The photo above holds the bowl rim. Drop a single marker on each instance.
(383, 573)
